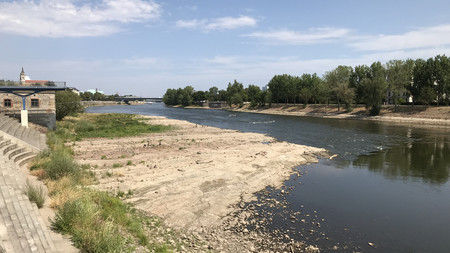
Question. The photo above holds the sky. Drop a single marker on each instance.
(144, 47)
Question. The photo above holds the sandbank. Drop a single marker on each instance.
(194, 175)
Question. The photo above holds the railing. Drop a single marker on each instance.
(36, 85)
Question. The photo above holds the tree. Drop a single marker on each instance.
(185, 96)
(305, 94)
(422, 78)
(427, 95)
(319, 89)
(171, 97)
(441, 72)
(233, 90)
(360, 73)
(67, 103)
(339, 80)
(199, 96)
(374, 88)
(213, 94)
(398, 76)
(254, 94)
(279, 86)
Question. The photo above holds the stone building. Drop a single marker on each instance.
(36, 97)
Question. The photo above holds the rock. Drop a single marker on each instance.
(312, 249)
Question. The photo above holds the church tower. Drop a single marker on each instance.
(22, 77)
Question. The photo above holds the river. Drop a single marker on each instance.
(388, 189)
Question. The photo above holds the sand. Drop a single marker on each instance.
(194, 175)
(427, 116)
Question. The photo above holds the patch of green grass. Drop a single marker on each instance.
(35, 194)
(129, 162)
(114, 125)
(117, 165)
(103, 157)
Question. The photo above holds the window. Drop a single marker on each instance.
(34, 102)
(7, 102)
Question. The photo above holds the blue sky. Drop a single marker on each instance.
(144, 47)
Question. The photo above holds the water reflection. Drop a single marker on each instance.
(428, 159)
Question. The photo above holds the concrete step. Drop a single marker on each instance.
(8, 148)
(4, 121)
(4, 143)
(15, 152)
(22, 156)
(18, 132)
(25, 135)
(20, 242)
(21, 227)
(25, 160)
(12, 127)
(6, 125)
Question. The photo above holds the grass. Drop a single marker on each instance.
(117, 165)
(35, 194)
(96, 221)
(110, 126)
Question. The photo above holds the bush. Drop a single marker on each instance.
(61, 164)
(82, 219)
(35, 194)
(67, 103)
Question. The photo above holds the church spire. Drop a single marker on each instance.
(22, 77)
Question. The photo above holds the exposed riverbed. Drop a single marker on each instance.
(386, 191)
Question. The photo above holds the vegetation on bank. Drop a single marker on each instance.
(96, 221)
(67, 103)
(426, 81)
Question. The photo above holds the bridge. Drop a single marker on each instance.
(144, 99)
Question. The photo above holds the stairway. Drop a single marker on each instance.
(31, 136)
(22, 228)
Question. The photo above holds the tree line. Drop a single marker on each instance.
(425, 81)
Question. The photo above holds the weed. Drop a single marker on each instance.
(109, 174)
(60, 164)
(129, 162)
(120, 194)
(123, 156)
(35, 194)
(130, 193)
(103, 157)
(117, 165)
(85, 166)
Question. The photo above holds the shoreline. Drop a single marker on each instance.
(437, 116)
(196, 177)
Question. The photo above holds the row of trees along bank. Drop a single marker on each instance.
(425, 81)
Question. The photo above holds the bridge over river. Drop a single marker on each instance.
(144, 99)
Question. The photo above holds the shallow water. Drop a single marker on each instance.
(388, 186)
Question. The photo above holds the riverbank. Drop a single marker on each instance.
(108, 103)
(420, 115)
(195, 177)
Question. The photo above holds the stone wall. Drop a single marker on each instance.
(44, 114)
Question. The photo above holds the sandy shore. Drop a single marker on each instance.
(195, 175)
(418, 115)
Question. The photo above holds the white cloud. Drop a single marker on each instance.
(421, 38)
(225, 23)
(190, 24)
(311, 36)
(64, 18)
